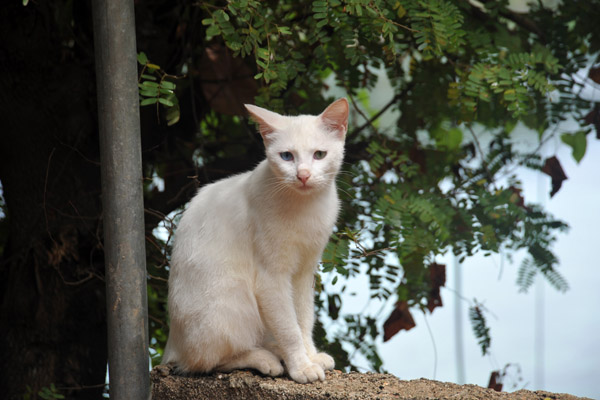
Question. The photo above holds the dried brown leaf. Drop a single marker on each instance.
(594, 74)
(495, 381)
(553, 168)
(399, 319)
(437, 279)
(593, 118)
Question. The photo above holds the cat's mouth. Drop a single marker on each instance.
(304, 188)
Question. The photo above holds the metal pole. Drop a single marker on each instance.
(122, 198)
(458, 324)
(539, 308)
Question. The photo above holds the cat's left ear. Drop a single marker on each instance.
(335, 117)
(267, 120)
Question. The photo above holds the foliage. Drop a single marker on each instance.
(482, 332)
(425, 185)
(156, 88)
(46, 393)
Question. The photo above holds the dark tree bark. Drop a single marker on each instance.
(52, 308)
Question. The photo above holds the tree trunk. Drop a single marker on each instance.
(52, 307)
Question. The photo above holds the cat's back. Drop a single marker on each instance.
(217, 214)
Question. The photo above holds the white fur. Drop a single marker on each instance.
(245, 253)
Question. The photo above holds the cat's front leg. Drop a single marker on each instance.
(304, 305)
(276, 303)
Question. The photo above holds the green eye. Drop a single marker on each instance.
(319, 155)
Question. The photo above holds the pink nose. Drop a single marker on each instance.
(303, 176)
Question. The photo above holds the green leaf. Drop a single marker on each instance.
(149, 101)
(577, 142)
(149, 84)
(166, 102)
(172, 115)
(213, 30)
(261, 64)
(509, 126)
(168, 92)
(235, 46)
(45, 393)
(168, 85)
(449, 139)
(221, 16)
(263, 53)
(509, 95)
(151, 92)
(322, 23)
(284, 30)
(454, 138)
(142, 58)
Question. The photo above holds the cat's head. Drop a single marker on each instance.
(305, 152)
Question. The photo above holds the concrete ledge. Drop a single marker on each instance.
(246, 385)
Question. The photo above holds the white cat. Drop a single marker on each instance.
(246, 250)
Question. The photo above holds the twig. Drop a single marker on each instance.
(372, 252)
(81, 387)
(90, 275)
(157, 320)
(158, 278)
(376, 116)
(435, 353)
(480, 151)
(356, 105)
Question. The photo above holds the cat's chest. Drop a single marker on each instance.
(304, 225)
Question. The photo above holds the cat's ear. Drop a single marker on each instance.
(267, 120)
(335, 117)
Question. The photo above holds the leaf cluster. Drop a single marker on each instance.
(157, 88)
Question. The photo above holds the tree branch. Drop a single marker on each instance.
(376, 116)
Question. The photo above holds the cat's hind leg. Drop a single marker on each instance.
(214, 326)
(259, 359)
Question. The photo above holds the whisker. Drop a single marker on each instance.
(346, 193)
(276, 188)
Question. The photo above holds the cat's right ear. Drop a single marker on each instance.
(267, 120)
(335, 117)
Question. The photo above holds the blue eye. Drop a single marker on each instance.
(286, 156)
(319, 155)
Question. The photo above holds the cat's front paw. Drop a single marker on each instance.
(324, 360)
(307, 373)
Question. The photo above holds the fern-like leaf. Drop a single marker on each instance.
(480, 328)
(526, 275)
(555, 279)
